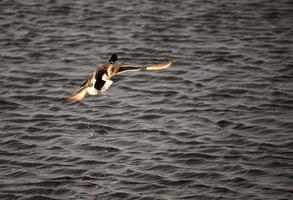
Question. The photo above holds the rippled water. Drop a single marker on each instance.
(216, 125)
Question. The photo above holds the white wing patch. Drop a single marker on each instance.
(92, 90)
(107, 84)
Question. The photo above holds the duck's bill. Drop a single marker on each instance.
(160, 66)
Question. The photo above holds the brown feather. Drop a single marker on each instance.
(160, 66)
(100, 80)
(78, 95)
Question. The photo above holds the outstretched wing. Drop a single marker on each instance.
(160, 66)
(164, 65)
(78, 95)
(124, 68)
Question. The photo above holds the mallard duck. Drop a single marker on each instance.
(100, 80)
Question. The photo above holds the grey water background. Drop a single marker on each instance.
(218, 124)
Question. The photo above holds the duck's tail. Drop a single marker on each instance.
(79, 95)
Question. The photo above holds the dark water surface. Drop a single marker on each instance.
(216, 125)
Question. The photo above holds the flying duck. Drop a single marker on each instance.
(100, 80)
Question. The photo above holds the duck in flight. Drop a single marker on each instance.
(100, 80)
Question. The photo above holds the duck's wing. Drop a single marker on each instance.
(125, 68)
(80, 94)
(160, 66)
(164, 65)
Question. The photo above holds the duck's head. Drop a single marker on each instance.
(113, 59)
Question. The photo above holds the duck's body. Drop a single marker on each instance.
(100, 80)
